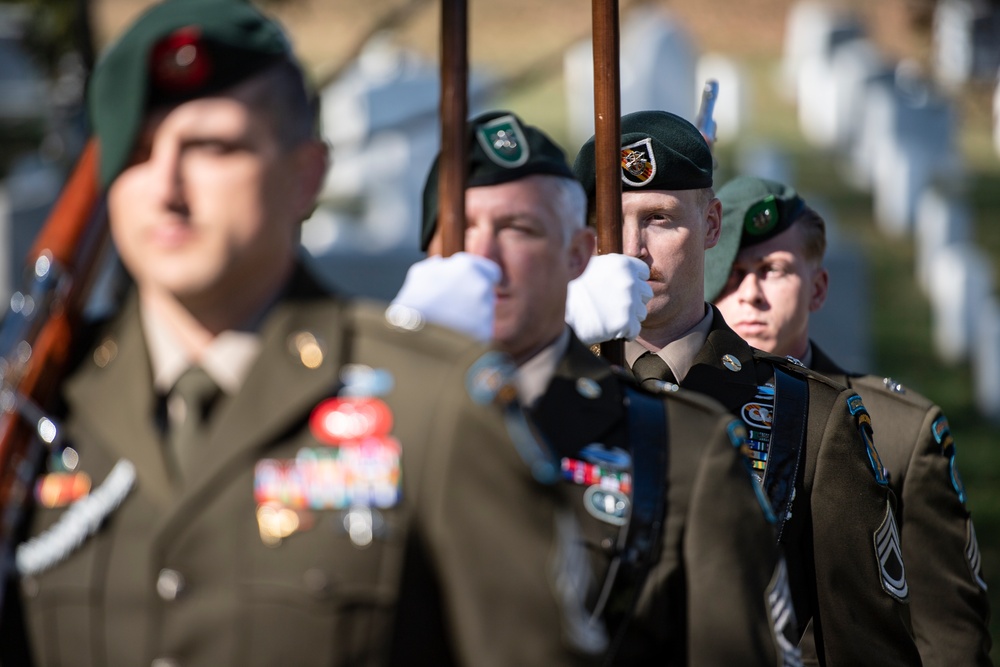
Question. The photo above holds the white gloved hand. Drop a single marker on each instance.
(457, 292)
(608, 300)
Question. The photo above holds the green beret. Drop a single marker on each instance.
(660, 151)
(177, 50)
(753, 211)
(499, 148)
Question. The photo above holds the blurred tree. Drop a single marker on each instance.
(56, 28)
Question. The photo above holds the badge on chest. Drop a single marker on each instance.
(355, 470)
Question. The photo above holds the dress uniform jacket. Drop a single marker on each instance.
(179, 574)
(948, 602)
(706, 599)
(836, 512)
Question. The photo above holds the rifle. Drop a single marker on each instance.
(705, 121)
(36, 340)
(454, 109)
(607, 142)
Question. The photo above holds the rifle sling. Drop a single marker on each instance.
(791, 406)
(647, 429)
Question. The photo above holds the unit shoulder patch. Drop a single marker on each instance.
(941, 431)
(973, 556)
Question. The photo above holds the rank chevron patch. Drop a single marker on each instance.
(779, 604)
(890, 558)
(973, 556)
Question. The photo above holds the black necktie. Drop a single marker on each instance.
(649, 369)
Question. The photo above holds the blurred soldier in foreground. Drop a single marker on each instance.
(809, 438)
(716, 592)
(275, 470)
(766, 276)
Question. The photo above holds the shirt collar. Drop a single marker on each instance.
(534, 375)
(227, 360)
(678, 354)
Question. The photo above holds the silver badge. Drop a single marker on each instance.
(607, 505)
(732, 363)
(588, 388)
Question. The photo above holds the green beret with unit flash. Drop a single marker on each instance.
(178, 50)
(754, 210)
(659, 151)
(499, 148)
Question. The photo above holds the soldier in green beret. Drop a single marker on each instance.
(262, 473)
(766, 278)
(809, 438)
(684, 566)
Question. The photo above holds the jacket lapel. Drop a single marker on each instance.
(569, 414)
(124, 424)
(279, 392)
(712, 375)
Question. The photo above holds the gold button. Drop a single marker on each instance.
(105, 353)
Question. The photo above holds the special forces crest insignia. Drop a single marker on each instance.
(638, 163)
(503, 142)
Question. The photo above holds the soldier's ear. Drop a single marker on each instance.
(713, 223)
(311, 160)
(819, 288)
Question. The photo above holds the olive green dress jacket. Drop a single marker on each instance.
(948, 601)
(718, 575)
(840, 528)
(180, 572)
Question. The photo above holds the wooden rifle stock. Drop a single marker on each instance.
(454, 109)
(37, 336)
(607, 142)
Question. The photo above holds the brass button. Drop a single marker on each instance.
(169, 584)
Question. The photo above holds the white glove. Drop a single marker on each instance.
(608, 300)
(457, 292)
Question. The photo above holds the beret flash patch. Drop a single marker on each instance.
(504, 141)
(864, 422)
(638, 163)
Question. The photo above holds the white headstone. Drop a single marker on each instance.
(986, 360)
(817, 95)
(657, 69)
(381, 121)
(917, 147)
(961, 281)
(996, 116)
(806, 27)
(943, 219)
(732, 108)
(854, 66)
(965, 41)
